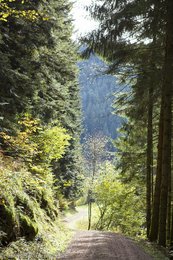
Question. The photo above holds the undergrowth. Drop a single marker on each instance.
(83, 223)
(47, 245)
(29, 212)
(157, 252)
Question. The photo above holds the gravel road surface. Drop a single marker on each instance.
(96, 245)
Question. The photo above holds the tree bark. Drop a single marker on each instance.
(89, 214)
(168, 232)
(156, 201)
(149, 157)
(167, 124)
(153, 76)
(171, 235)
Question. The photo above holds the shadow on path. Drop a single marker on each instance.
(95, 245)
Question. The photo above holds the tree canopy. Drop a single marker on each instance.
(135, 38)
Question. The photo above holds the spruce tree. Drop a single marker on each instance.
(132, 37)
(39, 75)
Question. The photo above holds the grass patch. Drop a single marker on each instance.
(83, 223)
(154, 250)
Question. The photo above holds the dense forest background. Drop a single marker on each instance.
(97, 93)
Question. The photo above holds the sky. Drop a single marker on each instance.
(82, 22)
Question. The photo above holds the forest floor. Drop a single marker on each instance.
(98, 245)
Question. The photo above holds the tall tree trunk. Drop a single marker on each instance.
(153, 76)
(94, 161)
(169, 211)
(171, 235)
(156, 201)
(171, 196)
(169, 221)
(89, 213)
(149, 157)
(167, 124)
(166, 170)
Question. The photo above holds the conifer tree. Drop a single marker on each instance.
(125, 28)
(39, 75)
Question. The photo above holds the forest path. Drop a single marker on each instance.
(80, 215)
(96, 245)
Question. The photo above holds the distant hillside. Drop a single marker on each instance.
(96, 94)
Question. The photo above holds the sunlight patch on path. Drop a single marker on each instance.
(80, 215)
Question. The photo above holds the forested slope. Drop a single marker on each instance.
(40, 124)
(97, 89)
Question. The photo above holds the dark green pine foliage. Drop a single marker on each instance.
(22, 44)
(39, 75)
(135, 37)
(17, 86)
(61, 99)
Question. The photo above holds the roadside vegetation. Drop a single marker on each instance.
(29, 199)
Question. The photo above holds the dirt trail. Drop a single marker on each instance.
(71, 221)
(95, 245)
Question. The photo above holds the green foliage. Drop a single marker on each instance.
(37, 90)
(131, 152)
(39, 77)
(157, 252)
(22, 197)
(29, 209)
(7, 9)
(83, 223)
(53, 142)
(69, 172)
(140, 62)
(121, 206)
(22, 144)
(28, 197)
(33, 143)
(52, 241)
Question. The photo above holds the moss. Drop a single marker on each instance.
(63, 203)
(8, 223)
(27, 204)
(24, 204)
(49, 206)
(47, 246)
(28, 228)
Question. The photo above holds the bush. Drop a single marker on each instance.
(121, 206)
